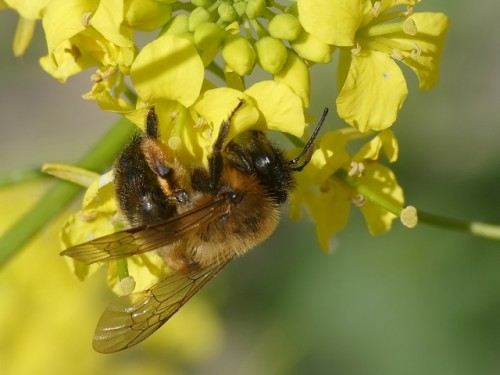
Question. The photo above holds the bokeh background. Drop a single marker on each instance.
(421, 301)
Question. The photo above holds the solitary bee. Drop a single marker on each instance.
(198, 219)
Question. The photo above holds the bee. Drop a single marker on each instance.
(197, 219)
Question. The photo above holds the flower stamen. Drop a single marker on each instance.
(357, 169)
(359, 200)
(376, 8)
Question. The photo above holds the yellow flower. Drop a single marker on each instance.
(79, 36)
(373, 36)
(328, 199)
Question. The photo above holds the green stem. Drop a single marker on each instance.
(122, 267)
(475, 228)
(371, 195)
(97, 159)
(20, 175)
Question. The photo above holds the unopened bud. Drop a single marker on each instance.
(208, 36)
(255, 8)
(284, 26)
(271, 54)
(239, 54)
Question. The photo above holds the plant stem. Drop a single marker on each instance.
(19, 176)
(97, 159)
(475, 228)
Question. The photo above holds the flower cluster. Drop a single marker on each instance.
(199, 56)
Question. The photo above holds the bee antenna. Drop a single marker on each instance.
(308, 148)
(152, 123)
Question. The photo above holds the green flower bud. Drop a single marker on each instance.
(202, 3)
(177, 25)
(227, 13)
(271, 54)
(240, 7)
(146, 15)
(198, 16)
(239, 54)
(311, 48)
(255, 8)
(208, 36)
(284, 26)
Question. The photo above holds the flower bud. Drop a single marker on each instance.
(240, 7)
(198, 16)
(284, 26)
(227, 13)
(271, 54)
(255, 8)
(239, 54)
(177, 25)
(146, 15)
(208, 36)
(311, 48)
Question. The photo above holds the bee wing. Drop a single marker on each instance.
(130, 319)
(138, 240)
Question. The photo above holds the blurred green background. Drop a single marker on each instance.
(422, 301)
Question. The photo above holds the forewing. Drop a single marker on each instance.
(138, 240)
(130, 319)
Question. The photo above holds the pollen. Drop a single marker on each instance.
(175, 142)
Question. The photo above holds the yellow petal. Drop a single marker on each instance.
(64, 18)
(334, 22)
(425, 59)
(108, 19)
(280, 108)
(29, 9)
(386, 141)
(381, 179)
(168, 68)
(295, 74)
(373, 92)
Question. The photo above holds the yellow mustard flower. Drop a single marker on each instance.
(319, 185)
(373, 36)
(81, 34)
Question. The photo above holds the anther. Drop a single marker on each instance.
(356, 50)
(416, 51)
(409, 11)
(376, 8)
(357, 169)
(359, 200)
(86, 19)
(397, 55)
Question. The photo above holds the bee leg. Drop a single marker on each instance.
(216, 161)
(152, 124)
